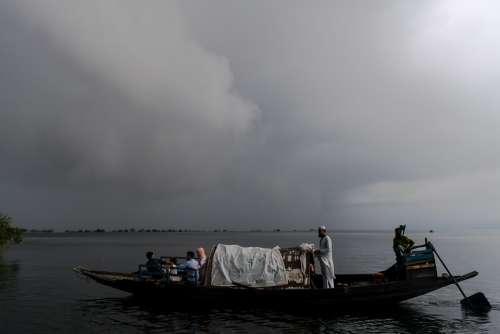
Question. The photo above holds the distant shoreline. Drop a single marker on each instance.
(146, 231)
(222, 230)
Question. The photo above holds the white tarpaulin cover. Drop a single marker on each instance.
(250, 266)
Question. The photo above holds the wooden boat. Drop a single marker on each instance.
(417, 277)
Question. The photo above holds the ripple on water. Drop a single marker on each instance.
(132, 316)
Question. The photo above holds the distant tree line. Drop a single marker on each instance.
(34, 230)
(171, 230)
(154, 230)
(9, 232)
(140, 230)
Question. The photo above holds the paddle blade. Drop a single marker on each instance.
(477, 302)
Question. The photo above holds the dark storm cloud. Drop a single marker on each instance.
(249, 115)
(371, 102)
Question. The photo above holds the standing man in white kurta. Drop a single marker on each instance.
(325, 258)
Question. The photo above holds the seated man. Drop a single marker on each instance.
(190, 268)
(153, 267)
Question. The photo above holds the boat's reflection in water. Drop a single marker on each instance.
(134, 315)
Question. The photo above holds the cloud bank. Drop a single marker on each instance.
(249, 115)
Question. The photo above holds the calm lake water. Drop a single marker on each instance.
(39, 292)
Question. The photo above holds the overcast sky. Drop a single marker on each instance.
(250, 114)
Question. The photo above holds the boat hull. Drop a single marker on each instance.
(368, 296)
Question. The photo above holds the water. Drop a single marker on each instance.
(39, 293)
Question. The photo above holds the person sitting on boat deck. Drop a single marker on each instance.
(171, 265)
(325, 257)
(153, 264)
(153, 267)
(190, 268)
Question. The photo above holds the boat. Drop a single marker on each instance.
(416, 277)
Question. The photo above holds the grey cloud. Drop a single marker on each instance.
(123, 105)
(245, 115)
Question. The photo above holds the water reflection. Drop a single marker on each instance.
(8, 273)
(133, 315)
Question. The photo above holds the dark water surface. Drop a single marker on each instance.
(39, 293)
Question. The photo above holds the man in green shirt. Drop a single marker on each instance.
(402, 245)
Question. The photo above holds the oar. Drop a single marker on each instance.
(477, 301)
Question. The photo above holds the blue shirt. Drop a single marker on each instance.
(191, 268)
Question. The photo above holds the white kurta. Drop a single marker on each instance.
(325, 258)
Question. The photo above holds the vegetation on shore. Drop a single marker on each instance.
(9, 232)
(154, 230)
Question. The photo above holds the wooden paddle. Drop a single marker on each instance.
(476, 302)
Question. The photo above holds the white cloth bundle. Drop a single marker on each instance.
(249, 266)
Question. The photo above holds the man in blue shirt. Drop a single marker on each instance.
(190, 268)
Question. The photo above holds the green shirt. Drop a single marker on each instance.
(402, 246)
